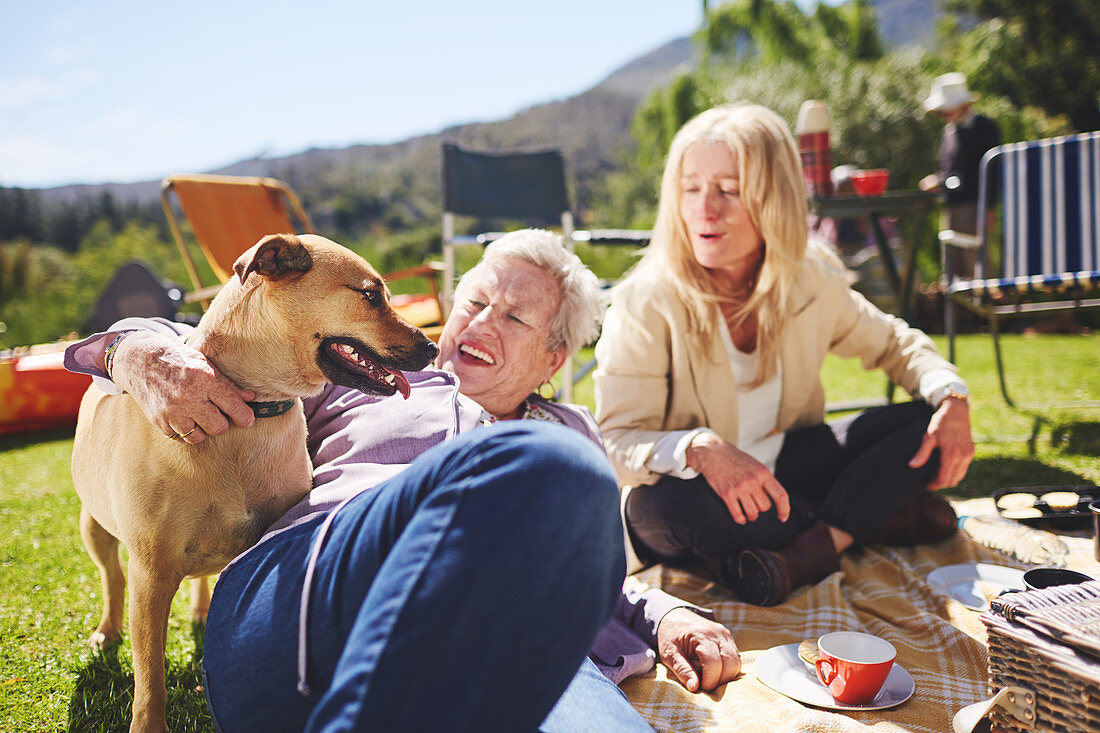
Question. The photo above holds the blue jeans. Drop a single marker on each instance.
(593, 704)
(460, 595)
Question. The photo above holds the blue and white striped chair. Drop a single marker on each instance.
(1050, 210)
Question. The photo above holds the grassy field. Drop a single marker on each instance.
(50, 595)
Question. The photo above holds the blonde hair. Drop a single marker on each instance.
(774, 196)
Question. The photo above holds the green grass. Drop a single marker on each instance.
(1037, 443)
(49, 588)
(50, 602)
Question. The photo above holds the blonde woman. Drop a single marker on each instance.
(708, 391)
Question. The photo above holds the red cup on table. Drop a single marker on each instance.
(854, 666)
(870, 182)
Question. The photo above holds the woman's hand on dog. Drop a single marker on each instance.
(745, 484)
(177, 388)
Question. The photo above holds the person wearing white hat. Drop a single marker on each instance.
(966, 138)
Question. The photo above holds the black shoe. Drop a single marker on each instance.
(767, 577)
(763, 578)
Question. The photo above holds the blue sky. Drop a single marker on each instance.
(114, 91)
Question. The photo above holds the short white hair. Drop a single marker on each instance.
(580, 312)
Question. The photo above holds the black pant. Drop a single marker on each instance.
(852, 474)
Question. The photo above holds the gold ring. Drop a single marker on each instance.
(181, 436)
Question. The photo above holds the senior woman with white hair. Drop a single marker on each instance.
(495, 659)
(518, 314)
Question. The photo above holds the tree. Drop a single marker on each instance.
(874, 110)
(773, 53)
(662, 114)
(20, 215)
(778, 30)
(1040, 53)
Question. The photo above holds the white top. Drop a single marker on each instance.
(757, 410)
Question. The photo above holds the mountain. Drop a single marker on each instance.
(591, 129)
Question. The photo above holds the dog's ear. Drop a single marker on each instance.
(274, 257)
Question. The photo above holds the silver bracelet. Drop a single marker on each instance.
(109, 354)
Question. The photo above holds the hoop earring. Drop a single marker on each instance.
(545, 397)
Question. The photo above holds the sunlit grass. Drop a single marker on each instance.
(50, 603)
(1036, 443)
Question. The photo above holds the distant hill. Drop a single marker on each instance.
(400, 181)
(591, 129)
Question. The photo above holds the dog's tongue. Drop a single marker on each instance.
(402, 384)
(371, 369)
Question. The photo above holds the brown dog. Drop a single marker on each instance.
(301, 312)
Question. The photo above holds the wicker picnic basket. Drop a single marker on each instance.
(1048, 643)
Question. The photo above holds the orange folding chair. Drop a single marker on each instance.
(229, 214)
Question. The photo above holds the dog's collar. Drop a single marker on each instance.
(271, 409)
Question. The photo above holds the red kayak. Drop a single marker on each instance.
(36, 392)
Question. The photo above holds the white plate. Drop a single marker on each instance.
(969, 583)
(781, 669)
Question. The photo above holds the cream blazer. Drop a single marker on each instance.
(651, 379)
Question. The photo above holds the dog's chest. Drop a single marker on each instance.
(254, 483)
(270, 463)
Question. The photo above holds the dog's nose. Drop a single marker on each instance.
(428, 350)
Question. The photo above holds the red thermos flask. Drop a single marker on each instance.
(812, 130)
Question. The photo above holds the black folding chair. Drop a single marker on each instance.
(527, 186)
(524, 187)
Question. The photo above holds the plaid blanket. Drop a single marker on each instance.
(880, 591)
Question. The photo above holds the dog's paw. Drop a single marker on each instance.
(101, 639)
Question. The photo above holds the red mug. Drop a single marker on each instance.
(854, 666)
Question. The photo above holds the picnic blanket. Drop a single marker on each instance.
(880, 590)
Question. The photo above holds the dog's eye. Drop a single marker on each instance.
(372, 296)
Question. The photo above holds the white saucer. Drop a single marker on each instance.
(781, 669)
(970, 583)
